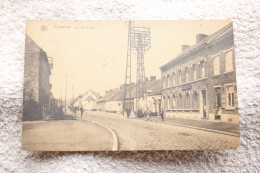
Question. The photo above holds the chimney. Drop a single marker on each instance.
(152, 78)
(200, 37)
(183, 47)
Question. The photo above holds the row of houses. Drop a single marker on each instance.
(201, 81)
(113, 99)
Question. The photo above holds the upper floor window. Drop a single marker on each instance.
(179, 77)
(168, 81)
(173, 79)
(194, 72)
(187, 75)
(203, 71)
(229, 60)
(216, 65)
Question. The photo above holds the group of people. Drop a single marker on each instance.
(147, 113)
(75, 109)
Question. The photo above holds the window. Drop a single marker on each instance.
(216, 65)
(229, 60)
(173, 102)
(187, 75)
(179, 78)
(168, 81)
(187, 101)
(164, 82)
(173, 79)
(170, 102)
(230, 96)
(203, 71)
(194, 72)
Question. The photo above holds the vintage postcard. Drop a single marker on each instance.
(129, 85)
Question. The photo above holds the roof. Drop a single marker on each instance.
(108, 95)
(96, 94)
(154, 86)
(207, 40)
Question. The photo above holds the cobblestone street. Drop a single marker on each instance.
(105, 131)
(145, 135)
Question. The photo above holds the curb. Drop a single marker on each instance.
(199, 128)
(192, 127)
(115, 139)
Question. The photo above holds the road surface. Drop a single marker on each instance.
(136, 134)
(103, 131)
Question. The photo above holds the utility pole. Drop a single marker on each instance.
(128, 72)
(66, 94)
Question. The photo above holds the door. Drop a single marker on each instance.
(204, 103)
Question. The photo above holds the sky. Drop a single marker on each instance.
(92, 54)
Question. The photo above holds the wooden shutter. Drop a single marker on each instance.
(235, 97)
(223, 98)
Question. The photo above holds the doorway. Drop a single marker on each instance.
(204, 103)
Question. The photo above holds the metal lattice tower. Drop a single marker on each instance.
(139, 42)
(128, 72)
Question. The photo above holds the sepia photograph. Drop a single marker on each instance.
(129, 85)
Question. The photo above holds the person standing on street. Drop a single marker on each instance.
(162, 115)
(81, 111)
(128, 110)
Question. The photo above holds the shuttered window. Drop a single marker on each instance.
(229, 60)
(231, 97)
(216, 65)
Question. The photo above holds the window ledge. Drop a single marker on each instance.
(216, 76)
(230, 109)
(229, 72)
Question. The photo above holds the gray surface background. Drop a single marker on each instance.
(245, 15)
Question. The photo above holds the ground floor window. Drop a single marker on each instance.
(230, 94)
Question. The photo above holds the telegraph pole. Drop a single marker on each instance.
(128, 72)
(66, 94)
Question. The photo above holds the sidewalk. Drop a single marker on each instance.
(203, 123)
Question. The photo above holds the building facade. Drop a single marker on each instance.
(37, 87)
(200, 83)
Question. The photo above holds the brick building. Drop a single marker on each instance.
(37, 87)
(200, 83)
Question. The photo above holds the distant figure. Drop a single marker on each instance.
(162, 115)
(128, 111)
(140, 113)
(216, 111)
(148, 113)
(81, 111)
(74, 110)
